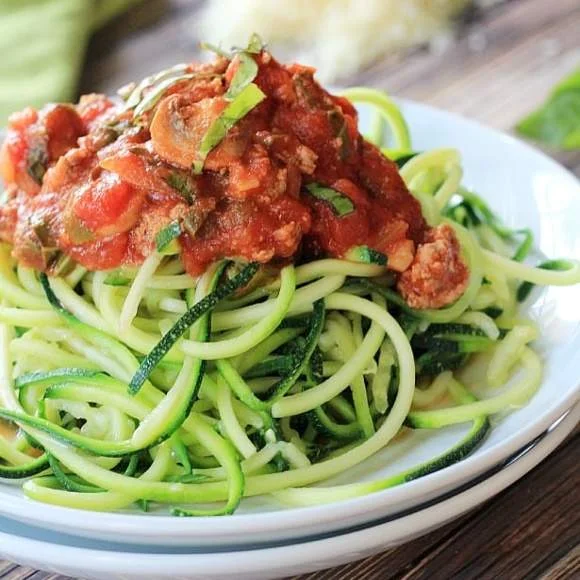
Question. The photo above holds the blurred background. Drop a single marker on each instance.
(496, 61)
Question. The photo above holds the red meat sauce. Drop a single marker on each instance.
(92, 182)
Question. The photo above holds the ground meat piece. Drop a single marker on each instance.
(438, 275)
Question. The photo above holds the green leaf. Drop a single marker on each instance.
(247, 69)
(181, 184)
(36, 163)
(167, 235)
(366, 255)
(557, 122)
(249, 98)
(156, 92)
(245, 74)
(255, 45)
(134, 97)
(216, 49)
(340, 131)
(341, 204)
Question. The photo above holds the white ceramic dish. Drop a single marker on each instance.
(525, 188)
(94, 560)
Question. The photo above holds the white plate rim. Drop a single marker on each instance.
(280, 561)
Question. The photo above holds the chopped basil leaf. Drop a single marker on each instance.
(41, 229)
(60, 263)
(49, 256)
(367, 255)
(557, 122)
(36, 163)
(246, 73)
(248, 67)
(255, 45)
(126, 90)
(341, 205)
(376, 257)
(37, 170)
(192, 221)
(249, 98)
(76, 230)
(156, 92)
(305, 90)
(217, 49)
(338, 125)
(181, 184)
(135, 97)
(167, 235)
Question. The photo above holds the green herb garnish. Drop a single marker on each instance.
(165, 236)
(36, 163)
(367, 255)
(247, 69)
(339, 128)
(341, 205)
(246, 73)
(255, 45)
(216, 49)
(135, 96)
(249, 97)
(156, 92)
(181, 184)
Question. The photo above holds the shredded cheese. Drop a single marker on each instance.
(338, 37)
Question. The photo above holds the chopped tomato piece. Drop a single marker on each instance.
(108, 206)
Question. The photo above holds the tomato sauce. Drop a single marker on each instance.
(97, 183)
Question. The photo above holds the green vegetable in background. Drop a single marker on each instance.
(42, 43)
(557, 122)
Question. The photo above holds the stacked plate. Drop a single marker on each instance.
(267, 540)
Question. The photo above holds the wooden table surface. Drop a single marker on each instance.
(503, 64)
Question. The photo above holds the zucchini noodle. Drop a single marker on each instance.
(146, 385)
(388, 110)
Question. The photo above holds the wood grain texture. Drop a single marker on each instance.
(531, 530)
(502, 66)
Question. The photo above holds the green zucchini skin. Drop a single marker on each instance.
(478, 432)
(47, 378)
(93, 446)
(302, 359)
(35, 467)
(366, 255)
(67, 482)
(327, 426)
(186, 321)
(182, 410)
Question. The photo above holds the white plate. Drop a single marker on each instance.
(89, 559)
(527, 189)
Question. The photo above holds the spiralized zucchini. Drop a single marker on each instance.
(146, 386)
